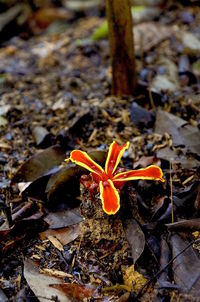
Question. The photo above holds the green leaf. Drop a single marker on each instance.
(101, 32)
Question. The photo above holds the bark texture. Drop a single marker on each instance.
(121, 47)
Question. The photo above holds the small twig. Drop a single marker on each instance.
(7, 210)
(79, 245)
(117, 287)
(151, 98)
(146, 285)
(194, 107)
(171, 191)
(188, 180)
(46, 298)
(105, 255)
(73, 261)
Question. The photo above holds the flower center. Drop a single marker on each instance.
(105, 184)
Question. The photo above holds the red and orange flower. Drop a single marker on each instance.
(109, 180)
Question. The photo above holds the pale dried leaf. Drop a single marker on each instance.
(64, 218)
(56, 243)
(64, 235)
(40, 283)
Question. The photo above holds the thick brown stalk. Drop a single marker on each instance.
(121, 47)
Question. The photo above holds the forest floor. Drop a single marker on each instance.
(55, 244)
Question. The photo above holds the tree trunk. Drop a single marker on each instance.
(121, 47)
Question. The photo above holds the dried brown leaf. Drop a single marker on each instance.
(64, 235)
(40, 164)
(40, 283)
(186, 267)
(135, 238)
(63, 218)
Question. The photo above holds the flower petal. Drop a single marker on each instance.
(82, 159)
(109, 197)
(151, 172)
(114, 156)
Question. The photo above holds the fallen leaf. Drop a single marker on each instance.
(147, 35)
(189, 225)
(4, 109)
(185, 200)
(141, 117)
(174, 156)
(164, 281)
(3, 297)
(196, 68)
(169, 81)
(190, 42)
(36, 188)
(40, 283)
(22, 228)
(135, 238)
(4, 232)
(101, 32)
(46, 15)
(163, 83)
(62, 103)
(67, 136)
(64, 218)
(56, 243)
(40, 164)
(3, 121)
(42, 137)
(76, 291)
(182, 134)
(64, 235)
(186, 267)
(5, 146)
(145, 161)
(65, 183)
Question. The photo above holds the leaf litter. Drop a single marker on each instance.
(80, 252)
